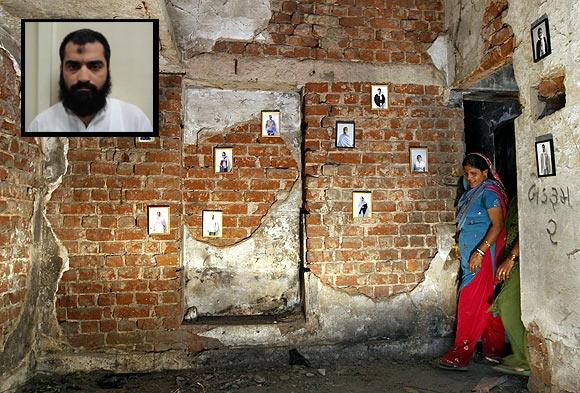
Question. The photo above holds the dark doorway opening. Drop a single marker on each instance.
(489, 129)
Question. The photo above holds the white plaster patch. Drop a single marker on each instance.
(439, 55)
(200, 23)
(210, 110)
(259, 275)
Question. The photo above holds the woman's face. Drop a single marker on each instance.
(474, 176)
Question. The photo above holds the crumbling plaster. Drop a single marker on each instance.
(208, 111)
(225, 70)
(259, 275)
(463, 19)
(548, 222)
(200, 23)
(12, 11)
(414, 319)
(406, 325)
(37, 328)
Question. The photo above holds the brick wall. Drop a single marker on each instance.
(498, 38)
(379, 31)
(389, 252)
(264, 171)
(122, 284)
(19, 176)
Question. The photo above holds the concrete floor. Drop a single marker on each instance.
(348, 376)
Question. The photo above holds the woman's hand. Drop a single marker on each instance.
(504, 270)
(475, 261)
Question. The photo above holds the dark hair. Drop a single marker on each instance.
(475, 161)
(83, 36)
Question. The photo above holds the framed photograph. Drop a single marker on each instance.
(145, 139)
(545, 160)
(418, 159)
(223, 159)
(345, 136)
(158, 220)
(380, 96)
(56, 103)
(212, 223)
(362, 204)
(270, 123)
(541, 45)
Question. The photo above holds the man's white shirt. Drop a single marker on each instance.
(116, 116)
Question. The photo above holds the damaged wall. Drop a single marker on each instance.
(123, 295)
(254, 268)
(121, 282)
(389, 252)
(548, 215)
(370, 31)
(547, 218)
(480, 42)
(20, 196)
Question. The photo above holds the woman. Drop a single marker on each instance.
(480, 225)
(508, 302)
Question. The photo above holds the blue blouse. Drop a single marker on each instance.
(476, 226)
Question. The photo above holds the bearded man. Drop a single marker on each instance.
(85, 84)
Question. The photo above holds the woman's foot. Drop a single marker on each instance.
(451, 365)
(512, 370)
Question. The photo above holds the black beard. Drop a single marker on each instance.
(84, 103)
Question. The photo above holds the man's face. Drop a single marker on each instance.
(540, 33)
(85, 81)
(379, 91)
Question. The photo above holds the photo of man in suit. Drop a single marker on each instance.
(541, 44)
(379, 99)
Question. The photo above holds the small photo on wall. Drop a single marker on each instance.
(345, 136)
(145, 139)
(223, 159)
(212, 223)
(545, 160)
(270, 123)
(362, 204)
(541, 45)
(418, 159)
(380, 96)
(158, 219)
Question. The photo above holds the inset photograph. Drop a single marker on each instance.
(90, 77)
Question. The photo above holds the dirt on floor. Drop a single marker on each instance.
(370, 375)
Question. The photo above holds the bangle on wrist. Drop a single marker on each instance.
(487, 243)
(513, 257)
(477, 250)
